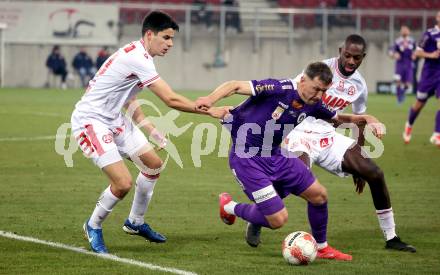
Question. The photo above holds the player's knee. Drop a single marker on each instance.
(278, 221)
(123, 185)
(320, 197)
(155, 164)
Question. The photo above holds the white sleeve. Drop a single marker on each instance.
(329, 61)
(359, 106)
(144, 69)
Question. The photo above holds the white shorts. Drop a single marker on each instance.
(107, 143)
(324, 146)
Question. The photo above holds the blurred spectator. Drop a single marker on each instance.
(57, 66)
(103, 54)
(83, 65)
(233, 17)
(343, 4)
(341, 20)
(202, 14)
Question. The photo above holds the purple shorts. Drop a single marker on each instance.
(429, 84)
(404, 73)
(267, 180)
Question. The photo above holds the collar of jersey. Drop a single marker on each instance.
(145, 50)
(294, 83)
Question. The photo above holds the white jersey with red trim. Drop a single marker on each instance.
(345, 90)
(122, 76)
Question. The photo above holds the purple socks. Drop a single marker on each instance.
(318, 218)
(250, 213)
(412, 116)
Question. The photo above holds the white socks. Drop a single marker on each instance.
(229, 207)
(142, 197)
(322, 245)
(386, 222)
(104, 206)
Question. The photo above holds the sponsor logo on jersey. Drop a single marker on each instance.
(266, 87)
(264, 194)
(277, 112)
(340, 86)
(351, 90)
(301, 117)
(334, 102)
(285, 106)
(296, 105)
(325, 142)
(107, 138)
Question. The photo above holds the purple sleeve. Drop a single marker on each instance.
(396, 47)
(266, 87)
(320, 111)
(424, 41)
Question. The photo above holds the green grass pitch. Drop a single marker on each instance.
(42, 198)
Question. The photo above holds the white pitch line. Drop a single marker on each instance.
(110, 257)
(35, 114)
(31, 138)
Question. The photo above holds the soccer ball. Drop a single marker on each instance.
(299, 248)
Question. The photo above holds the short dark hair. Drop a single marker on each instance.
(157, 21)
(356, 39)
(320, 70)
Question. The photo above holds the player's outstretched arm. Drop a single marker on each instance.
(224, 90)
(172, 99)
(432, 55)
(181, 103)
(361, 120)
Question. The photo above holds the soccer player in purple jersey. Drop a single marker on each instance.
(403, 52)
(429, 84)
(266, 172)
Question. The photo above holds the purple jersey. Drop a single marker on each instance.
(429, 83)
(275, 108)
(430, 43)
(405, 48)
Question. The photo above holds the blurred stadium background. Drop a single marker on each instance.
(276, 38)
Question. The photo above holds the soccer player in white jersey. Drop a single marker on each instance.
(106, 135)
(319, 143)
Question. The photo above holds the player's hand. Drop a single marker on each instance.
(219, 112)
(159, 138)
(396, 56)
(203, 103)
(359, 183)
(376, 126)
(434, 55)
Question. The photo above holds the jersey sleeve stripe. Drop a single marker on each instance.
(149, 81)
(252, 88)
